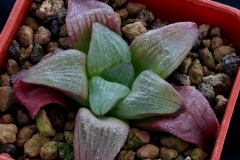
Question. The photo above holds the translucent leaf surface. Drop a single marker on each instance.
(197, 123)
(64, 71)
(98, 139)
(80, 17)
(150, 96)
(107, 49)
(104, 95)
(34, 97)
(122, 73)
(162, 50)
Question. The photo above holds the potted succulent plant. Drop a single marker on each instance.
(145, 83)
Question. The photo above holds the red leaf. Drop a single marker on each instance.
(196, 124)
(33, 97)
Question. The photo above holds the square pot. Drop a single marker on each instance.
(198, 11)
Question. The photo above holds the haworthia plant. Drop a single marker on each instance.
(107, 49)
(64, 71)
(125, 82)
(104, 95)
(162, 50)
(95, 138)
(80, 17)
(150, 96)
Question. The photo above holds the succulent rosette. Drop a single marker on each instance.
(116, 84)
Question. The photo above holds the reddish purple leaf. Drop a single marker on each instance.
(33, 97)
(196, 124)
(80, 17)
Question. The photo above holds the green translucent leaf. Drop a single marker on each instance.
(98, 139)
(122, 73)
(64, 71)
(150, 95)
(104, 95)
(107, 49)
(162, 50)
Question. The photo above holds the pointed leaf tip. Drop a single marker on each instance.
(162, 50)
